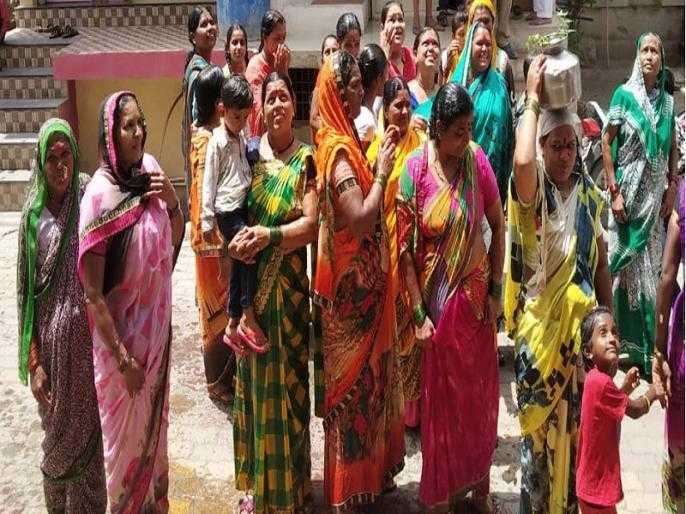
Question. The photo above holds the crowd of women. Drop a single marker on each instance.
(402, 196)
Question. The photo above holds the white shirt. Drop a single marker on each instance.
(227, 175)
(365, 124)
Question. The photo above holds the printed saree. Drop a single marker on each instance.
(51, 295)
(640, 154)
(551, 261)
(363, 423)
(409, 358)
(138, 296)
(257, 70)
(212, 269)
(272, 403)
(459, 368)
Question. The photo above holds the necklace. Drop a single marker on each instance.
(427, 90)
(285, 149)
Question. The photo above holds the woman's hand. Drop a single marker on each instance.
(40, 387)
(282, 60)
(662, 380)
(386, 158)
(248, 243)
(134, 377)
(425, 333)
(385, 40)
(494, 308)
(161, 186)
(668, 199)
(534, 79)
(618, 208)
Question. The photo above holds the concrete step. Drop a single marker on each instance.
(24, 48)
(18, 151)
(30, 83)
(124, 15)
(27, 115)
(13, 188)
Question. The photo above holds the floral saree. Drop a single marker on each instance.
(640, 153)
(437, 225)
(272, 444)
(364, 446)
(409, 353)
(135, 237)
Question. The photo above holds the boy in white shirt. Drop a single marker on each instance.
(225, 187)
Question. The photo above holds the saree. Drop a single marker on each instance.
(549, 288)
(363, 425)
(272, 403)
(673, 463)
(190, 113)
(51, 296)
(257, 70)
(409, 356)
(212, 269)
(138, 296)
(437, 225)
(492, 128)
(640, 155)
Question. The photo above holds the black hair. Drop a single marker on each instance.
(346, 63)
(193, 24)
(121, 102)
(275, 76)
(372, 64)
(271, 19)
(208, 90)
(386, 7)
(236, 93)
(452, 102)
(326, 38)
(345, 24)
(587, 326)
(526, 65)
(229, 34)
(459, 20)
(418, 37)
(491, 13)
(670, 85)
(390, 92)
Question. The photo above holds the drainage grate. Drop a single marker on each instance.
(303, 80)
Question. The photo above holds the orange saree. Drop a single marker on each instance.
(363, 422)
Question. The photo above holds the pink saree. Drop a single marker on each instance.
(135, 237)
(459, 368)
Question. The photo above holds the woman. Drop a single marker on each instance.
(273, 55)
(392, 34)
(427, 51)
(446, 188)
(202, 33)
(54, 343)
(492, 129)
(639, 156)
(131, 231)
(211, 261)
(397, 113)
(364, 443)
(236, 50)
(349, 34)
(272, 446)
(329, 46)
(668, 362)
(373, 70)
(557, 273)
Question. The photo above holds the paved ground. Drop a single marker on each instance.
(200, 438)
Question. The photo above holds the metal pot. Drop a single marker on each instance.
(561, 78)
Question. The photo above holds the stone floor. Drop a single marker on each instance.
(200, 436)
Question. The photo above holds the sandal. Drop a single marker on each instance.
(234, 341)
(246, 505)
(541, 21)
(55, 32)
(69, 31)
(250, 338)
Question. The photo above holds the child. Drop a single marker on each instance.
(225, 188)
(452, 53)
(236, 51)
(373, 64)
(598, 479)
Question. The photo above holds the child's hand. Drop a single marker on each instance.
(631, 381)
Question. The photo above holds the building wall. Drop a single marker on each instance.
(156, 97)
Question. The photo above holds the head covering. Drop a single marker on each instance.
(336, 134)
(651, 117)
(464, 64)
(28, 232)
(132, 179)
(470, 22)
(551, 119)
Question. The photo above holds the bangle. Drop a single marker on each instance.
(418, 315)
(645, 397)
(275, 236)
(495, 289)
(380, 179)
(532, 105)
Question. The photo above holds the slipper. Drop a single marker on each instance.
(541, 21)
(250, 338)
(235, 342)
(531, 16)
(55, 32)
(69, 31)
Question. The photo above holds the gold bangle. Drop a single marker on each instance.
(645, 397)
(533, 106)
(380, 179)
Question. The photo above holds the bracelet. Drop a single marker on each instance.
(418, 315)
(532, 105)
(380, 179)
(495, 289)
(275, 236)
(645, 397)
